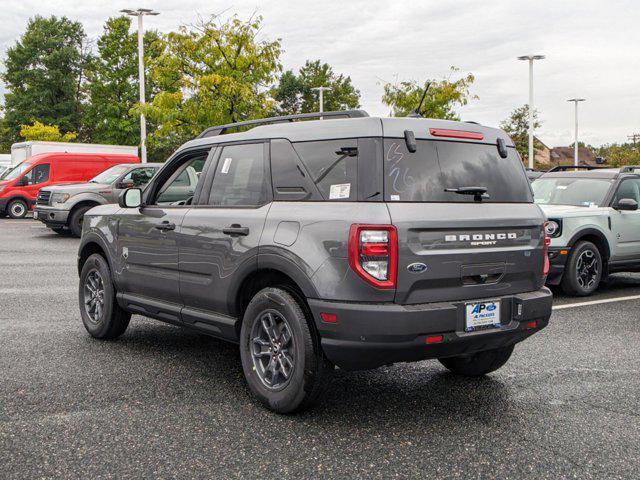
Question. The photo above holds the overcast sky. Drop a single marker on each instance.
(591, 49)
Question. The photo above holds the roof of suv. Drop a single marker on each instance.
(607, 173)
(313, 130)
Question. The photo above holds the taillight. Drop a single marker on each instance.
(545, 246)
(445, 132)
(373, 254)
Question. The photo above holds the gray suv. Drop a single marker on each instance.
(63, 206)
(350, 241)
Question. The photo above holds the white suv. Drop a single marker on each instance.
(594, 224)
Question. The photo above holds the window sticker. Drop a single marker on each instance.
(226, 165)
(395, 197)
(340, 190)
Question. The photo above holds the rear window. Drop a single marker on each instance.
(423, 176)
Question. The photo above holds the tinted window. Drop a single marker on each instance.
(239, 178)
(333, 166)
(291, 181)
(423, 176)
(582, 192)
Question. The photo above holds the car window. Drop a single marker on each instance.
(578, 191)
(38, 174)
(16, 171)
(333, 166)
(423, 175)
(109, 175)
(239, 179)
(140, 176)
(180, 188)
(628, 188)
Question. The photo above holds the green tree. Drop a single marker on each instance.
(6, 137)
(112, 85)
(44, 74)
(517, 126)
(617, 155)
(45, 133)
(443, 97)
(210, 74)
(295, 94)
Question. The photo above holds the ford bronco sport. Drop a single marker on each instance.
(594, 224)
(61, 206)
(350, 241)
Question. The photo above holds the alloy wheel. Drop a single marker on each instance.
(272, 349)
(587, 269)
(94, 296)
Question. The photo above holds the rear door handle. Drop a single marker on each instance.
(165, 226)
(236, 230)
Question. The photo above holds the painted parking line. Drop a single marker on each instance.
(596, 302)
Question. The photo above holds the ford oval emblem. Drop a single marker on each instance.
(417, 267)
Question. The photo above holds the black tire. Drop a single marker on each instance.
(17, 208)
(75, 221)
(59, 230)
(580, 279)
(310, 372)
(111, 321)
(479, 363)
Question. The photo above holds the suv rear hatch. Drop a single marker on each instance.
(462, 246)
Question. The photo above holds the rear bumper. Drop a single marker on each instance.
(370, 335)
(557, 262)
(50, 216)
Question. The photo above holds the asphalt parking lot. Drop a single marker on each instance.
(163, 402)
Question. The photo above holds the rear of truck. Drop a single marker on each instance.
(463, 253)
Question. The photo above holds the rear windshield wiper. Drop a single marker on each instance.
(479, 193)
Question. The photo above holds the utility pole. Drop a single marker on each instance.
(320, 91)
(634, 138)
(575, 140)
(530, 59)
(141, 12)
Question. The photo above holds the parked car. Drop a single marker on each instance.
(62, 206)
(594, 224)
(533, 174)
(19, 186)
(350, 241)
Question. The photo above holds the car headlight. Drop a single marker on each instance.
(59, 197)
(553, 228)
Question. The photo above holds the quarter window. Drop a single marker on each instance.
(333, 166)
(240, 176)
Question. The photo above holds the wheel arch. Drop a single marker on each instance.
(596, 237)
(268, 277)
(89, 248)
(83, 203)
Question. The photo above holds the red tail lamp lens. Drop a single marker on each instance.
(434, 339)
(329, 317)
(373, 254)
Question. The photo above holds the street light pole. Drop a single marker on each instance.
(530, 59)
(320, 91)
(141, 12)
(575, 139)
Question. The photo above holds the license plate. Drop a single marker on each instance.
(482, 315)
(35, 215)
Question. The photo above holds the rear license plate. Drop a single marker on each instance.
(482, 315)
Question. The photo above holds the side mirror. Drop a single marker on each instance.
(130, 198)
(626, 204)
(126, 184)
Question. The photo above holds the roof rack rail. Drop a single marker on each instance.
(564, 168)
(222, 129)
(629, 168)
